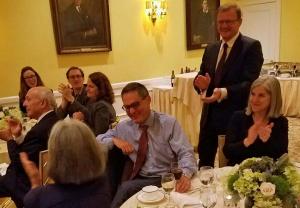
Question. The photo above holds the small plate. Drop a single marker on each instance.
(156, 197)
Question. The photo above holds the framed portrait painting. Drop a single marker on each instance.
(201, 23)
(81, 25)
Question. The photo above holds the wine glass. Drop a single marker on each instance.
(168, 184)
(208, 196)
(176, 170)
(206, 175)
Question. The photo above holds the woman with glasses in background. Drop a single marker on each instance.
(29, 78)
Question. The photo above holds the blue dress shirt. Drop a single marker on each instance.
(166, 143)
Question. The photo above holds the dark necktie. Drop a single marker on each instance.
(142, 152)
(218, 73)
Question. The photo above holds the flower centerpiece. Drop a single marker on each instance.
(6, 112)
(266, 183)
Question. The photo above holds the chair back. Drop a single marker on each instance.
(222, 159)
(43, 159)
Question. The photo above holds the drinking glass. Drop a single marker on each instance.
(208, 196)
(206, 175)
(176, 170)
(168, 184)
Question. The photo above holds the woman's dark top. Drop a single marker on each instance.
(237, 131)
(90, 195)
(98, 115)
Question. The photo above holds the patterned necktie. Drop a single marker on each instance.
(218, 73)
(142, 152)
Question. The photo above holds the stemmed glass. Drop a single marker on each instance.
(206, 175)
(176, 170)
(168, 184)
(208, 196)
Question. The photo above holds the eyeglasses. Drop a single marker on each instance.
(227, 22)
(134, 105)
(75, 76)
(30, 77)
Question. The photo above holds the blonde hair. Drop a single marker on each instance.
(272, 86)
(75, 157)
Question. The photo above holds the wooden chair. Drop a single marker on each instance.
(43, 159)
(222, 159)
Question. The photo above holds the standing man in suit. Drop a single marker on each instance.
(227, 70)
(40, 105)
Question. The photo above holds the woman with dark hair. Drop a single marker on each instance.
(76, 163)
(29, 78)
(261, 130)
(98, 113)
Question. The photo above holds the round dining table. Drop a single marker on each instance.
(194, 192)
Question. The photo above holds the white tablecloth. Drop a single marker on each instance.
(132, 202)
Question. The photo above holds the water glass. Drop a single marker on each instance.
(208, 196)
(206, 175)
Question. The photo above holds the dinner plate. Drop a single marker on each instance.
(157, 197)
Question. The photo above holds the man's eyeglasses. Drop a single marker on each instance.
(30, 77)
(75, 76)
(134, 105)
(227, 22)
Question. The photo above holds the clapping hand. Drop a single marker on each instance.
(202, 82)
(15, 126)
(78, 116)
(66, 92)
(31, 170)
(264, 132)
(214, 97)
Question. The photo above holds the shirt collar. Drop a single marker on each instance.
(43, 115)
(231, 41)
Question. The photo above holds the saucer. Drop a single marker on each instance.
(154, 197)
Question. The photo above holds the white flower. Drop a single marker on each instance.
(2, 114)
(267, 189)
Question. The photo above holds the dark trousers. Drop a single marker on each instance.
(208, 141)
(14, 186)
(129, 188)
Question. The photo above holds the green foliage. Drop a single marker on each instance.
(282, 185)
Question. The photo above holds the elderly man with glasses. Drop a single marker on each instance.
(152, 141)
(76, 89)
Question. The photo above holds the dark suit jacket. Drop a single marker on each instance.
(234, 148)
(241, 68)
(16, 181)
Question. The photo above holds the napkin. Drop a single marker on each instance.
(183, 200)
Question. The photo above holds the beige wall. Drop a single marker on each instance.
(139, 49)
(290, 31)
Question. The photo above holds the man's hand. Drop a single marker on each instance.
(15, 126)
(214, 97)
(264, 133)
(202, 82)
(66, 92)
(5, 134)
(31, 170)
(183, 184)
(125, 146)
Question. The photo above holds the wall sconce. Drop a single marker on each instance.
(156, 8)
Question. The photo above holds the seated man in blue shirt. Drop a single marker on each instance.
(166, 142)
